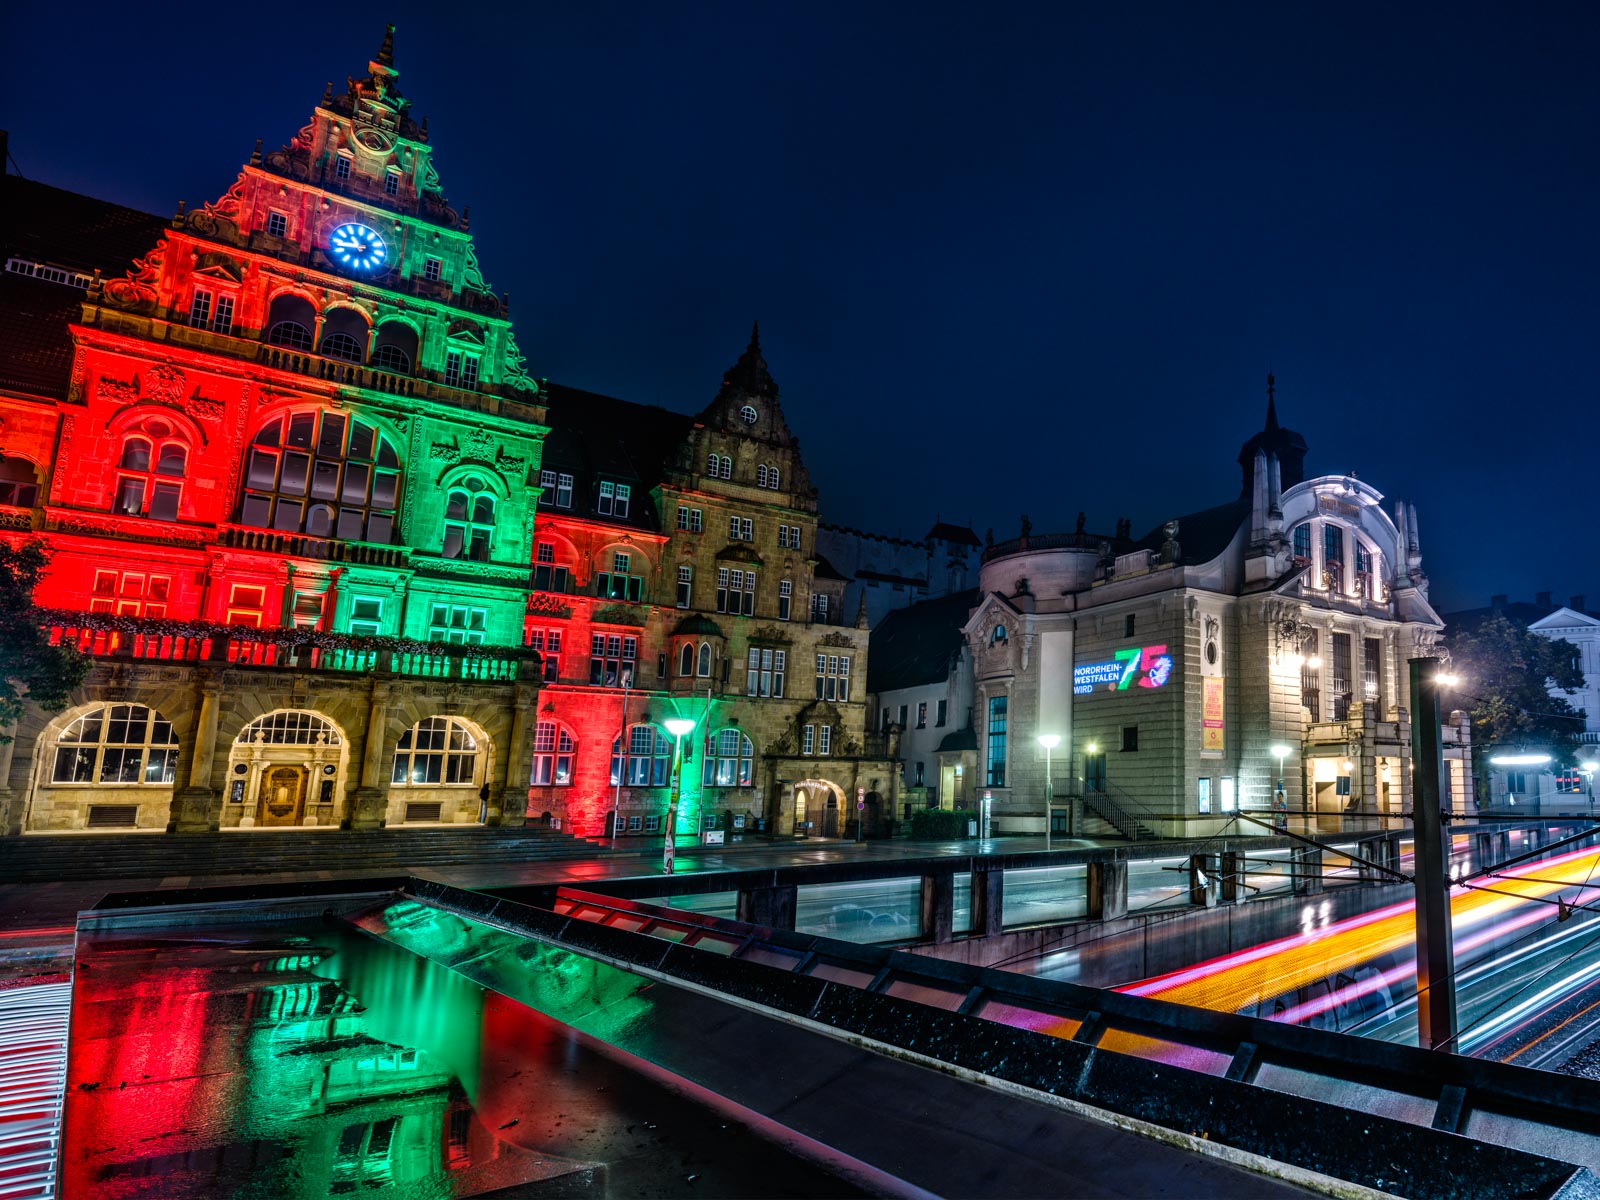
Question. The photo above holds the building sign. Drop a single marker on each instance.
(1146, 666)
(1211, 709)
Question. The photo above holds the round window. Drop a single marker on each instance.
(749, 414)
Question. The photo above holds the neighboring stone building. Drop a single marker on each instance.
(892, 572)
(676, 568)
(1170, 666)
(296, 482)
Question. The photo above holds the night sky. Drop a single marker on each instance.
(1006, 260)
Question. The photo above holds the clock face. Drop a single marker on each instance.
(357, 247)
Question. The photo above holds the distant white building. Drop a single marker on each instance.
(892, 572)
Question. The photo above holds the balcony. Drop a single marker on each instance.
(124, 639)
(301, 545)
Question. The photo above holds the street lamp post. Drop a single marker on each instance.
(1280, 804)
(677, 727)
(1049, 741)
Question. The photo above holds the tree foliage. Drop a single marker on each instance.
(30, 668)
(1507, 674)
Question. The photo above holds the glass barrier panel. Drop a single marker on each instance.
(838, 973)
(922, 993)
(1018, 1017)
(1041, 895)
(873, 910)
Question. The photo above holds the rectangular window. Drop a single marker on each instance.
(222, 321)
(733, 529)
(452, 368)
(722, 589)
(164, 501)
(902, 721)
(824, 739)
(1127, 625)
(685, 584)
(469, 371)
(458, 625)
(819, 608)
(1228, 799)
(883, 725)
(341, 168)
(432, 269)
(608, 492)
(1339, 684)
(1311, 677)
(779, 661)
(785, 598)
(996, 758)
(1094, 771)
(1516, 783)
(200, 309)
(683, 517)
(277, 224)
(563, 490)
(247, 605)
(922, 714)
(1372, 671)
(624, 494)
(1203, 789)
(1130, 738)
(808, 739)
(833, 677)
(1332, 556)
(366, 616)
(391, 183)
(939, 718)
(636, 823)
(545, 553)
(619, 563)
(307, 613)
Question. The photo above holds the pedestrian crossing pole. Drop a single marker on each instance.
(1436, 985)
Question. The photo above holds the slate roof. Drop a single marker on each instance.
(47, 225)
(913, 646)
(1202, 535)
(1518, 612)
(961, 739)
(958, 534)
(826, 570)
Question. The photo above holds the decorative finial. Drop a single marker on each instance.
(327, 94)
(424, 135)
(466, 218)
(755, 336)
(1272, 403)
(505, 301)
(178, 217)
(255, 155)
(386, 51)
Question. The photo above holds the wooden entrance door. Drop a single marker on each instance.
(283, 796)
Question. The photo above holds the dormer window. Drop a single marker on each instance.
(341, 168)
(614, 499)
(277, 224)
(557, 488)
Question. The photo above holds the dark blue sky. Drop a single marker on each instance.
(1012, 260)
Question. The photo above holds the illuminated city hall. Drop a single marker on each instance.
(343, 562)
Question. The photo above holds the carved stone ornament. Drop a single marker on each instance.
(771, 635)
(164, 384)
(117, 391)
(548, 604)
(836, 639)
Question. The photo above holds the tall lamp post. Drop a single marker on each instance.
(677, 727)
(1280, 805)
(1049, 741)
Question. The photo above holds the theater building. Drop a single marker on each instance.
(1256, 647)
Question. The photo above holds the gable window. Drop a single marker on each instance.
(341, 168)
(457, 624)
(996, 756)
(211, 310)
(611, 656)
(685, 585)
(833, 677)
(117, 743)
(391, 183)
(767, 477)
(761, 475)
(785, 596)
(554, 749)
(824, 739)
(324, 474)
(130, 593)
(613, 500)
(277, 224)
(764, 672)
(469, 520)
(366, 616)
(730, 760)
(645, 764)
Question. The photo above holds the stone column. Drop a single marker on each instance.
(369, 802)
(1108, 889)
(11, 814)
(988, 902)
(194, 803)
(1306, 864)
(938, 906)
(511, 806)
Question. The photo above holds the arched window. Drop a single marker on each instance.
(686, 659)
(1302, 542)
(469, 520)
(761, 475)
(342, 346)
(998, 636)
(345, 335)
(19, 482)
(117, 743)
(729, 762)
(291, 727)
(437, 751)
(325, 474)
(725, 467)
(554, 748)
(704, 667)
(711, 465)
(647, 761)
(290, 334)
(767, 477)
(149, 462)
(392, 358)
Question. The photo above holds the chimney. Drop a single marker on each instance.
(1576, 603)
(1542, 599)
(1497, 602)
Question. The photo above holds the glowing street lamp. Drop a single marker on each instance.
(1049, 741)
(1280, 805)
(677, 727)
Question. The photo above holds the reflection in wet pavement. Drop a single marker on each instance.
(302, 1061)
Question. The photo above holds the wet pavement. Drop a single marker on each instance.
(307, 1060)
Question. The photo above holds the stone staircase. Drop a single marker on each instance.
(49, 858)
(1098, 806)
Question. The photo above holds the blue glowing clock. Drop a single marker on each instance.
(357, 247)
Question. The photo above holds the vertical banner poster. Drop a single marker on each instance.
(1211, 708)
